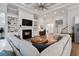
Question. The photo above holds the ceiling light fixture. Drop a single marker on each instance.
(63, 11)
(45, 15)
(55, 12)
(42, 6)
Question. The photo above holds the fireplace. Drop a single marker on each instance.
(26, 34)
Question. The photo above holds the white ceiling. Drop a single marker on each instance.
(29, 7)
(32, 5)
(50, 6)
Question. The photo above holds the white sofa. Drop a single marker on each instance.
(25, 48)
(60, 48)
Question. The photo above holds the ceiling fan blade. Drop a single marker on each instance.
(48, 5)
(44, 4)
(40, 3)
(37, 4)
(46, 8)
(35, 7)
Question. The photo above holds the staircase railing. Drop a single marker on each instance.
(64, 29)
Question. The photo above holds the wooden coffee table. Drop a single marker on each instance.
(39, 40)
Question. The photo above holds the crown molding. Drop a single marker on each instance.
(56, 8)
(25, 8)
(73, 6)
(52, 8)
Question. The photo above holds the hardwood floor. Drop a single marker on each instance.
(75, 49)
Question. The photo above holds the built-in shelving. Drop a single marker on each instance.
(12, 17)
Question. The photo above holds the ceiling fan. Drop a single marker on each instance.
(41, 6)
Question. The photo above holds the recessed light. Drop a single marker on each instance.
(55, 12)
(35, 9)
(45, 15)
(63, 11)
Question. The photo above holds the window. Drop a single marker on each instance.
(2, 25)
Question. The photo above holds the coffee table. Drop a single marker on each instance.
(39, 40)
(42, 42)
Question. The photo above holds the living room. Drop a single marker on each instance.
(39, 28)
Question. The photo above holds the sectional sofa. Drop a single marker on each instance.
(25, 48)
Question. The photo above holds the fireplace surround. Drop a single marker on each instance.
(27, 33)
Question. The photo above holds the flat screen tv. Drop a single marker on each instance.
(26, 22)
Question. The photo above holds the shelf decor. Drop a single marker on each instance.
(12, 24)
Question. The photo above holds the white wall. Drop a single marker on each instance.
(24, 15)
(59, 27)
(3, 19)
(72, 13)
(51, 18)
(44, 20)
(50, 28)
(68, 17)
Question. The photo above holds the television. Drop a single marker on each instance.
(26, 22)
